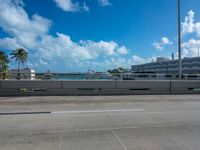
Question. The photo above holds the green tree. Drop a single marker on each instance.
(21, 56)
(4, 64)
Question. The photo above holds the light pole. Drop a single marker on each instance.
(179, 39)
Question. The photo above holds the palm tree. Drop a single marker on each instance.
(5, 71)
(4, 64)
(21, 56)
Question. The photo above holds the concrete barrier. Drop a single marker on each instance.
(25, 88)
(9, 84)
(185, 87)
(144, 87)
(88, 87)
(88, 84)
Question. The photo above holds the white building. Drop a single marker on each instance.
(165, 66)
(25, 73)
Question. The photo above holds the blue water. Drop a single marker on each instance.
(81, 77)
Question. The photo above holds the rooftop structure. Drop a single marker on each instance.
(162, 59)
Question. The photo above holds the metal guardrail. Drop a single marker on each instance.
(160, 77)
(14, 76)
(82, 76)
(55, 76)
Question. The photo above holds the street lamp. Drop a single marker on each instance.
(179, 40)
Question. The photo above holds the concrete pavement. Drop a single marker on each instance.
(162, 122)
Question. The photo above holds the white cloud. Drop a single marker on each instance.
(85, 7)
(69, 6)
(42, 62)
(191, 48)
(63, 47)
(122, 62)
(189, 25)
(104, 3)
(19, 2)
(165, 40)
(32, 34)
(161, 45)
(122, 50)
(15, 21)
(9, 43)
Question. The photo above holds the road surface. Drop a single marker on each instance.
(164, 122)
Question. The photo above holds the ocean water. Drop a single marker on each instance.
(81, 77)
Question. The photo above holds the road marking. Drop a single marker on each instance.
(119, 140)
(70, 112)
(24, 113)
(96, 111)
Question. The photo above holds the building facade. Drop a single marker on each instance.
(165, 66)
(25, 73)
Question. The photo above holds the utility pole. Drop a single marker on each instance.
(179, 39)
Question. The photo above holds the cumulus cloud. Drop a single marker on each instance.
(42, 62)
(104, 2)
(191, 48)
(123, 62)
(19, 2)
(63, 47)
(32, 34)
(9, 43)
(69, 6)
(24, 30)
(122, 50)
(162, 43)
(189, 25)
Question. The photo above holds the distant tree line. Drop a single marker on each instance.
(117, 71)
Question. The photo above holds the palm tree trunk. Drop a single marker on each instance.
(1, 74)
(18, 72)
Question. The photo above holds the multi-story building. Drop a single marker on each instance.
(166, 66)
(25, 73)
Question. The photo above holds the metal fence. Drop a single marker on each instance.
(160, 77)
(85, 76)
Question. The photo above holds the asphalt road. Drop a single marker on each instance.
(166, 122)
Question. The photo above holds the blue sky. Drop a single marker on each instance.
(74, 35)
